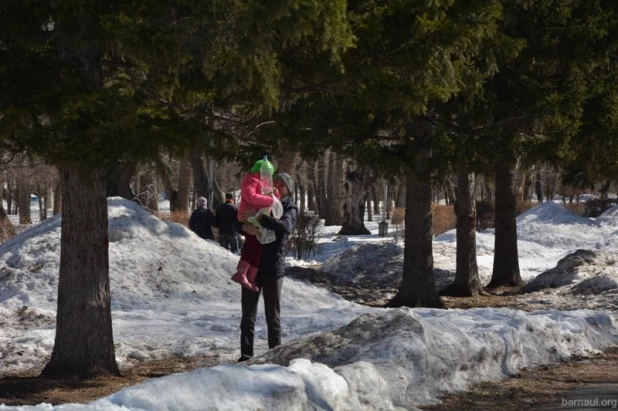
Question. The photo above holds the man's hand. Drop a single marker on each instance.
(250, 229)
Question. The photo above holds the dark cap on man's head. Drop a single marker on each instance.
(287, 180)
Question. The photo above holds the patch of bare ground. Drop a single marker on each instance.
(538, 388)
(31, 390)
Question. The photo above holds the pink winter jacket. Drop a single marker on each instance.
(251, 197)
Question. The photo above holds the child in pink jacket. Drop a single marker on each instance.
(256, 193)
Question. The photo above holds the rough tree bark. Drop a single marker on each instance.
(418, 287)
(506, 259)
(376, 198)
(311, 201)
(42, 194)
(400, 197)
(320, 185)
(200, 178)
(467, 282)
(336, 166)
(449, 193)
(286, 162)
(58, 198)
(218, 195)
(369, 208)
(6, 227)
(184, 185)
(301, 187)
(84, 344)
(527, 187)
(10, 195)
(354, 203)
(537, 186)
(23, 200)
(119, 180)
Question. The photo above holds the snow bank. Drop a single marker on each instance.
(583, 272)
(171, 294)
(552, 225)
(373, 263)
(393, 360)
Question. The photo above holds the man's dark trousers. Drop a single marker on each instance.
(271, 286)
(231, 240)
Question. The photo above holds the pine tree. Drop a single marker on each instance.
(536, 100)
(408, 55)
(90, 84)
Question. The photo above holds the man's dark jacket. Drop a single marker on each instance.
(227, 218)
(201, 222)
(273, 254)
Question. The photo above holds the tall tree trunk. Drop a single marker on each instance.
(58, 198)
(369, 209)
(218, 196)
(400, 198)
(376, 199)
(301, 188)
(200, 178)
(311, 202)
(449, 192)
(84, 344)
(336, 166)
(527, 187)
(7, 230)
(286, 162)
(389, 203)
(537, 187)
(23, 200)
(119, 180)
(321, 187)
(172, 193)
(184, 186)
(10, 197)
(42, 209)
(49, 200)
(418, 288)
(506, 259)
(488, 189)
(467, 282)
(354, 205)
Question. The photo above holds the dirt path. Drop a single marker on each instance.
(31, 390)
(569, 385)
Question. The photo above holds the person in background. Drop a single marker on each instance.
(202, 220)
(227, 222)
(270, 274)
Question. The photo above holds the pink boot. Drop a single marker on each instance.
(251, 274)
(241, 275)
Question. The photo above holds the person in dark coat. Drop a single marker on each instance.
(227, 223)
(202, 220)
(270, 274)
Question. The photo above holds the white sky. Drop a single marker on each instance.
(171, 295)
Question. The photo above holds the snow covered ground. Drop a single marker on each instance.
(171, 296)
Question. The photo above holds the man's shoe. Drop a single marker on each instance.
(243, 358)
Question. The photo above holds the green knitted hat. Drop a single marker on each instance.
(268, 166)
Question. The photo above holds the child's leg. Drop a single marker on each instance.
(244, 265)
(254, 264)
